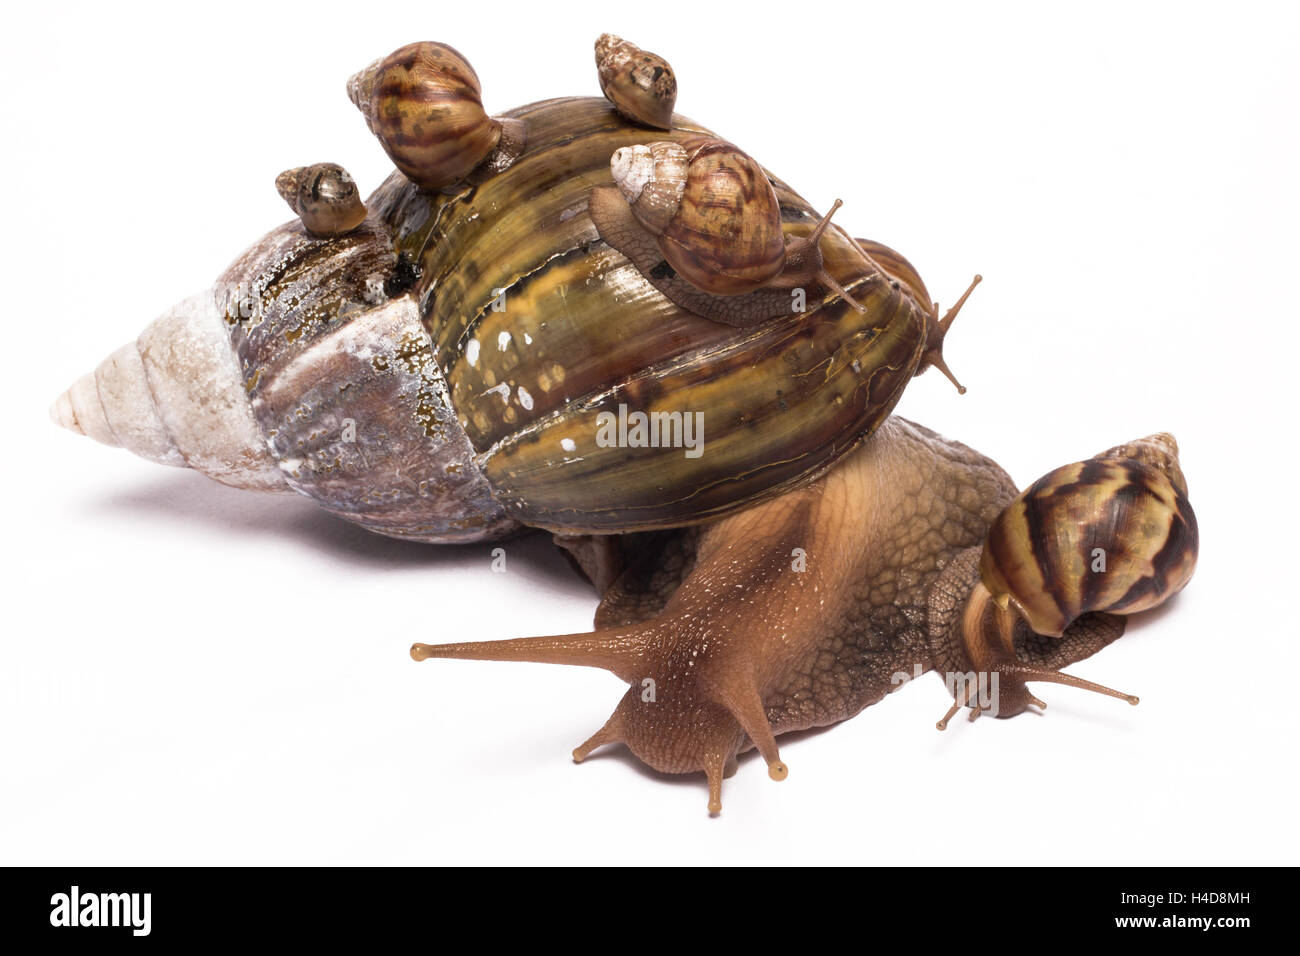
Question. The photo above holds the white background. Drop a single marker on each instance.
(192, 674)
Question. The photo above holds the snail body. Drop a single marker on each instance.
(728, 676)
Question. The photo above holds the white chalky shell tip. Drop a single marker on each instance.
(61, 414)
(632, 167)
(175, 396)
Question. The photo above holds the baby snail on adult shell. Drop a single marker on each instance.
(425, 105)
(640, 84)
(716, 218)
(594, 317)
(325, 198)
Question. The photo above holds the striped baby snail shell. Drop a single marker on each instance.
(1115, 533)
(424, 103)
(640, 84)
(325, 197)
(1079, 548)
(716, 218)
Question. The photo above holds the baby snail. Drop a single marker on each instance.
(716, 219)
(640, 84)
(1113, 534)
(424, 104)
(325, 198)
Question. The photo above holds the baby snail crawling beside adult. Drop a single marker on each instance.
(1113, 535)
(440, 362)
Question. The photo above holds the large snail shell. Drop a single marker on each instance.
(441, 373)
(724, 236)
(640, 84)
(425, 105)
(1115, 533)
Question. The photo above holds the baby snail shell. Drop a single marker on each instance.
(640, 84)
(1115, 533)
(324, 196)
(424, 104)
(716, 217)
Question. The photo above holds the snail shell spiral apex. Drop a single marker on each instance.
(640, 84)
(652, 179)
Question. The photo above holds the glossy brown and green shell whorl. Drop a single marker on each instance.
(424, 104)
(1115, 533)
(539, 327)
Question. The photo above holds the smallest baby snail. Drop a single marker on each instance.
(324, 196)
(424, 104)
(640, 84)
(1114, 534)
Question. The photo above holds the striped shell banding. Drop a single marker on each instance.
(1079, 548)
(1115, 533)
(424, 104)
(440, 365)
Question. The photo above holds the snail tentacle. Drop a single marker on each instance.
(933, 354)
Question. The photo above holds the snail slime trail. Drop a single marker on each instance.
(527, 325)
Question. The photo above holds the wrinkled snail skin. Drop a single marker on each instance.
(843, 591)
